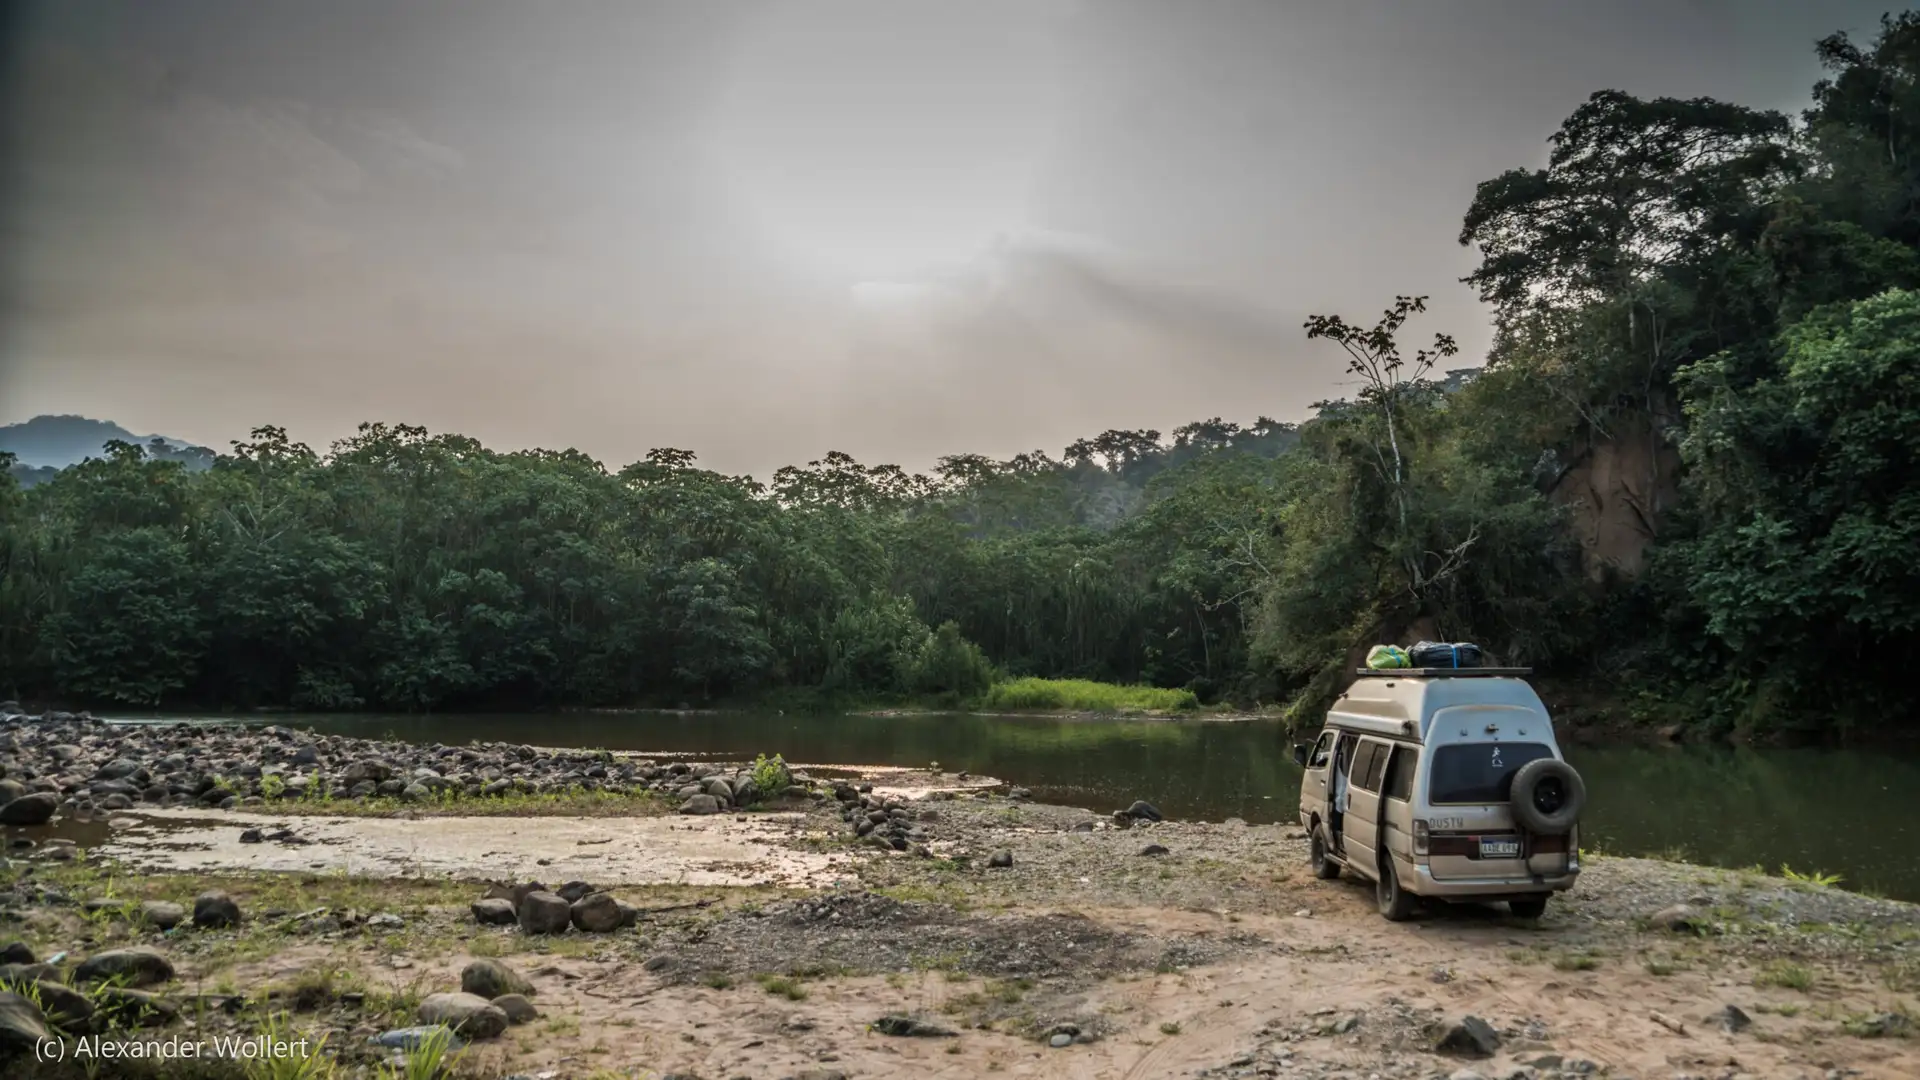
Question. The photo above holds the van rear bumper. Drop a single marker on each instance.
(1443, 888)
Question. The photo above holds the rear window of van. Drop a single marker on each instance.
(1479, 772)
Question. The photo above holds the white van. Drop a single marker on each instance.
(1455, 790)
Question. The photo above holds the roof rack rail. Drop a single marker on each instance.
(1444, 672)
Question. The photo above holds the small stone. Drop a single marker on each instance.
(908, 1027)
(21, 1027)
(215, 911)
(161, 914)
(1678, 919)
(491, 979)
(494, 911)
(1470, 1037)
(1730, 1019)
(413, 1038)
(385, 921)
(1155, 849)
(1059, 1040)
(1145, 811)
(544, 913)
(469, 1016)
(128, 967)
(597, 913)
(36, 808)
(518, 1009)
(1000, 860)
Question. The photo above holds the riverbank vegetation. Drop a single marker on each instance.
(1688, 467)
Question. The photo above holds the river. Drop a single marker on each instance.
(1838, 812)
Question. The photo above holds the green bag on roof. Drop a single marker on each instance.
(1388, 656)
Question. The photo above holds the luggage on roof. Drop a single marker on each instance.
(1388, 657)
(1440, 654)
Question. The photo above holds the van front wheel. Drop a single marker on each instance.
(1324, 868)
(1396, 904)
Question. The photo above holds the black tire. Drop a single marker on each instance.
(1531, 908)
(1548, 796)
(1324, 868)
(1396, 904)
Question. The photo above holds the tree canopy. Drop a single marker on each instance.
(1711, 308)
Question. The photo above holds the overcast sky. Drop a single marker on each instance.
(762, 231)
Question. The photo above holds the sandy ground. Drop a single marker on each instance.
(1222, 957)
(669, 850)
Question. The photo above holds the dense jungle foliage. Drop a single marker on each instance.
(1730, 287)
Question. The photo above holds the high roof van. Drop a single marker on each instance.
(1443, 784)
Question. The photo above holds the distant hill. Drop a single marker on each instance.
(46, 444)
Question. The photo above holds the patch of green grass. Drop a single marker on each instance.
(432, 1059)
(1084, 695)
(1660, 966)
(717, 980)
(306, 1062)
(1815, 879)
(571, 802)
(1575, 961)
(782, 986)
(1786, 975)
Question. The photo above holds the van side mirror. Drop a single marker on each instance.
(1300, 754)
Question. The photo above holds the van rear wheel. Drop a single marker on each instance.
(1396, 904)
(1324, 868)
(1531, 908)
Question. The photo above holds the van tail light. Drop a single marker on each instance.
(1422, 838)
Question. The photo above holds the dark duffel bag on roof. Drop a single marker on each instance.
(1432, 654)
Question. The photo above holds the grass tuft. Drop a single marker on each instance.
(1084, 695)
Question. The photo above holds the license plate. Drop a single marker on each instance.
(1499, 848)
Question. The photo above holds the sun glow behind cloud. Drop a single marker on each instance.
(862, 147)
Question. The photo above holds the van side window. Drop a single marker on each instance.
(1400, 773)
(1322, 750)
(1366, 766)
(1377, 768)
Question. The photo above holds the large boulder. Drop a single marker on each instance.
(597, 913)
(700, 804)
(469, 1016)
(544, 913)
(491, 978)
(127, 967)
(34, 809)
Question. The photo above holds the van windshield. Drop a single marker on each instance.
(1479, 772)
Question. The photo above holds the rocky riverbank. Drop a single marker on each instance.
(77, 765)
(871, 927)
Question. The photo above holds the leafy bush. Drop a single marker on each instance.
(771, 775)
(950, 665)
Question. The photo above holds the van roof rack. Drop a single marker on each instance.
(1443, 672)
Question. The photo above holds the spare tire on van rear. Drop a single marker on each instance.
(1548, 796)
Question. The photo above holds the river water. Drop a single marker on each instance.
(1842, 812)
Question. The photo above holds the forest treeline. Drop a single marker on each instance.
(1726, 292)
